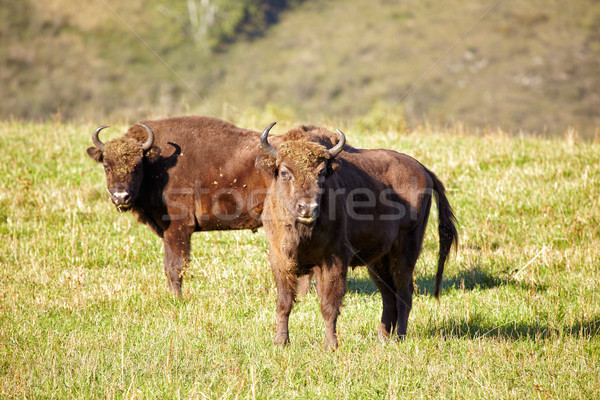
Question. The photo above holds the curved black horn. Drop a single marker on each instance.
(148, 143)
(97, 142)
(264, 144)
(337, 149)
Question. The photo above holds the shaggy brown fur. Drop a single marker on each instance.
(372, 210)
(199, 175)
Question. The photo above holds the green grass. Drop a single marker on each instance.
(85, 312)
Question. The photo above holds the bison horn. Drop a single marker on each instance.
(335, 150)
(264, 144)
(97, 142)
(148, 143)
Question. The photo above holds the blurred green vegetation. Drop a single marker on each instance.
(525, 66)
(109, 58)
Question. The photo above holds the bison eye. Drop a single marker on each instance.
(285, 175)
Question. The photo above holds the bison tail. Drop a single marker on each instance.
(446, 229)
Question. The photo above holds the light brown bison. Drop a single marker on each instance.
(327, 209)
(182, 175)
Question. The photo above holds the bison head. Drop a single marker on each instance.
(300, 168)
(123, 164)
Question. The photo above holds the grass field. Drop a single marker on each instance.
(85, 312)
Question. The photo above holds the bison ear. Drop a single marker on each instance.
(266, 164)
(153, 154)
(95, 153)
(333, 166)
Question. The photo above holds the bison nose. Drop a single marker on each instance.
(121, 198)
(306, 210)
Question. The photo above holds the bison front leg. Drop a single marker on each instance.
(286, 287)
(177, 256)
(332, 287)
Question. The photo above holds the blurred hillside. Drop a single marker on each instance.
(520, 65)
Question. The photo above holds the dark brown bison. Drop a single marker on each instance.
(182, 175)
(327, 209)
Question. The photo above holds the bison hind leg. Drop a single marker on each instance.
(381, 276)
(403, 258)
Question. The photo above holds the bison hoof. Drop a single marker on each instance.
(384, 333)
(331, 344)
(175, 288)
(281, 340)
(176, 291)
(383, 337)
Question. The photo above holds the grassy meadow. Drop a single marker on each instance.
(85, 311)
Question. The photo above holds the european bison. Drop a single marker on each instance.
(182, 175)
(330, 209)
